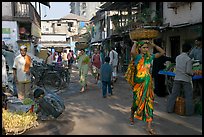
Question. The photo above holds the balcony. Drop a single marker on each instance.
(25, 12)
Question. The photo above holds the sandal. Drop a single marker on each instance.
(151, 131)
(82, 90)
(132, 121)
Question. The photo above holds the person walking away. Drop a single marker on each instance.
(105, 76)
(70, 57)
(196, 54)
(83, 65)
(114, 63)
(49, 58)
(182, 81)
(143, 95)
(21, 70)
(96, 64)
(59, 59)
(158, 64)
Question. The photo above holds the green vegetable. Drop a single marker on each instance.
(28, 101)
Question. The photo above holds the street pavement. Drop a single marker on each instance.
(90, 114)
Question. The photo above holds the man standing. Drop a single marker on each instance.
(196, 54)
(183, 81)
(114, 63)
(21, 70)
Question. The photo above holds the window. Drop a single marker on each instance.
(70, 24)
(83, 5)
(47, 29)
(58, 24)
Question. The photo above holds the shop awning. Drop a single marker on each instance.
(46, 4)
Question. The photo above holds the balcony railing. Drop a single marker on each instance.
(24, 11)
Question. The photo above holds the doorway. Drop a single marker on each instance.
(175, 46)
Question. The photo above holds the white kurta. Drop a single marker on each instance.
(19, 64)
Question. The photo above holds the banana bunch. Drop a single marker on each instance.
(15, 122)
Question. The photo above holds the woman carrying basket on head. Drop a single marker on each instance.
(141, 81)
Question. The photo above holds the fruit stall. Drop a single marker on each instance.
(169, 72)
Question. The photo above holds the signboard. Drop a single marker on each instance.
(6, 33)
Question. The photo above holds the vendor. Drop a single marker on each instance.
(196, 54)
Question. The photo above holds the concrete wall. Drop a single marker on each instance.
(6, 9)
(184, 14)
(53, 37)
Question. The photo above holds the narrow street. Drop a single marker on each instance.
(90, 114)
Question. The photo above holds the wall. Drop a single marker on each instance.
(184, 14)
(53, 37)
(6, 9)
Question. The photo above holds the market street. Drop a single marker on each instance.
(90, 114)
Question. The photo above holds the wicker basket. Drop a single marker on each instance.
(81, 45)
(142, 33)
(180, 106)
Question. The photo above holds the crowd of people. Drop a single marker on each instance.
(145, 82)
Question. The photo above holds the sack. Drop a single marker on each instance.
(99, 84)
(130, 73)
(179, 107)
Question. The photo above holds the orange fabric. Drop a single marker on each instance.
(27, 64)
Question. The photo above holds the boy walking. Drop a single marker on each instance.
(106, 73)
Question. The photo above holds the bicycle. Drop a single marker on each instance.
(43, 76)
(63, 73)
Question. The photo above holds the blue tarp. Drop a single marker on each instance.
(82, 24)
(173, 74)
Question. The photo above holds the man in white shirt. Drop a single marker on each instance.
(21, 70)
(114, 63)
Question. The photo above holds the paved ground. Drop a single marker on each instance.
(90, 114)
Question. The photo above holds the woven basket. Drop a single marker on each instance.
(20, 130)
(142, 33)
(81, 45)
(179, 107)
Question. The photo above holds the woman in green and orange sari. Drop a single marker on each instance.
(143, 95)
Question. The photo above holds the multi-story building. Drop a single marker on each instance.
(21, 24)
(85, 9)
(70, 26)
(184, 21)
(179, 22)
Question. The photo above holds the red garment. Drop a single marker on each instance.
(96, 61)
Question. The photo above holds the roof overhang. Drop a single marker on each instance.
(115, 6)
(46, 3)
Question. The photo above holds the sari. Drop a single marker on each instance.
(143, 95)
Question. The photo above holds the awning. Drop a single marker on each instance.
(55, 44)
(111, 6)
(46, 4)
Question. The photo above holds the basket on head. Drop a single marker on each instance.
(141, 33)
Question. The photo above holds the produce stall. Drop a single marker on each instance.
(169, 73)
(18, 116)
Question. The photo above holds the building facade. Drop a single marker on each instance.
(21, 24)
(85, 9)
